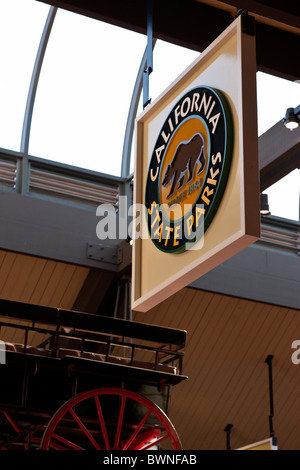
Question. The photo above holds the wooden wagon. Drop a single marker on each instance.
(73, 380)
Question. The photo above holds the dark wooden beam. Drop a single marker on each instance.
(275, 52)
(286, 13)
(195, 25)
(131, 14)
(181, 22)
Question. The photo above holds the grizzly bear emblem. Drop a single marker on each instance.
(186, 156)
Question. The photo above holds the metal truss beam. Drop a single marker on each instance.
(56, 231)
(279, 154)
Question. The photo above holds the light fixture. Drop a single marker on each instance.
(129, 240)
(292, 118)
(264, 205)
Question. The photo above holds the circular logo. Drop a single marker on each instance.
(189, 169)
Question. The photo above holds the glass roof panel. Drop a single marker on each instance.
(283, 196)
(21, 26)
(169, 61)
(274, 96)
(84, 93)
(86, 85)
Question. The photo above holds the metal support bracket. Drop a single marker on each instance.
(105, 253)
(149, 69)
(248, 22)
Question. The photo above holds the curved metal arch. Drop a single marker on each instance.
(125, 167)
(35, 79)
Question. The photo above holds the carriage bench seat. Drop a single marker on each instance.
(18, 347)
(99, 342)
(117, 360)
(63, 352)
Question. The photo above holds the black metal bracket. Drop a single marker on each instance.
(149, 69)
(248, 22)
(271, 416)
(228, 431)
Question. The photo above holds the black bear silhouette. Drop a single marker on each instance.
(186, 156)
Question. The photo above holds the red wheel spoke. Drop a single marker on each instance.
(137, 430)
(84, 429)
(102, 423)
(157, 441)
(11, 421)
(145, 439)
(66, 442)
(120, 423)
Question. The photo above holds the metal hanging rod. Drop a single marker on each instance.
(149, 68)
(268, 361)
(228, 431)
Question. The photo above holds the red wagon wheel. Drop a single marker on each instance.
(110, 419)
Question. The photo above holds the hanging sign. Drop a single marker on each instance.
(266, 444)
(196, 171)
